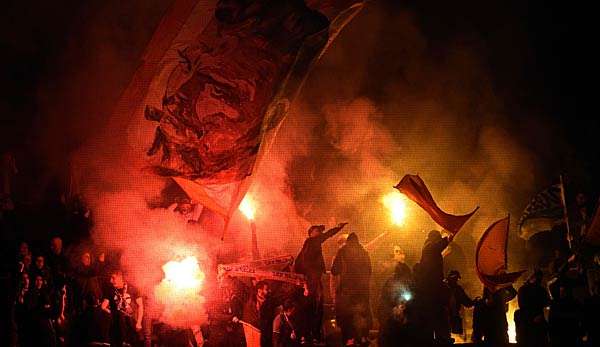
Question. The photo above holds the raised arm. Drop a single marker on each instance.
(331, 232)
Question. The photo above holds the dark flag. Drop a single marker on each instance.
(543, 212)
(491, 257)
(592, 234)
(415, 189)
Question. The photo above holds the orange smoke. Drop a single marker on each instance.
(180, 292)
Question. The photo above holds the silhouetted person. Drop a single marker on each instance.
(57, 262)
(396, 289)
(489, 318)
(93, 325)
(225, 309)
(126, 306)
(40, 268)
(457, 299)
(285, 331)
(38, 325)
(591, 318)
(529, 318)
(353, 311)
(259, 311)
(432, 293)
(86, 280)
(402, 328)
(564, 319)
(311, 264)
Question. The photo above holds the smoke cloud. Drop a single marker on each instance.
(383, 102)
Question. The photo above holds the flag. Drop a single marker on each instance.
(543, 212)
(491, 257)
(216, 80)
(592, 234)
(252, 335)
(415, 189)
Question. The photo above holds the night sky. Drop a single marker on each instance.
(67, 61)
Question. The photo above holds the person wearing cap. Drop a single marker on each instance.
(530, 324)
(353, 312)
(311, 264)
(458, 298)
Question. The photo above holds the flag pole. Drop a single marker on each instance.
(565, 212)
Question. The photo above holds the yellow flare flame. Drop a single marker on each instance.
(247, 207)
(395, 202)
(184, 274)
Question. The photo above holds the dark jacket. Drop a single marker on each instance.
(431, 266)
(310, 259)
(353, 264)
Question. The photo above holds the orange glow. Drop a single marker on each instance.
(248, 207)
(183, 275)
(510, 314)
(180, 292)
(395, 202)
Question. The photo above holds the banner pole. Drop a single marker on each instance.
(565, 211)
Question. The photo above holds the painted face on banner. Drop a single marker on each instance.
(209, 126)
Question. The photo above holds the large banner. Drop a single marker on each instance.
(269, 269)
(217, 80)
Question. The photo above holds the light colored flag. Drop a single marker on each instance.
(415, 189)
(543, 213)
(491, 258)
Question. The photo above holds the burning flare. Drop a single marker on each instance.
(395, 202)
(180, 292)
(247, 207)
(183, 275)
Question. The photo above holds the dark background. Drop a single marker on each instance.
(67, 61)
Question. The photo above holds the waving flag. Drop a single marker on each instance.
(415, 189)
(543, 212)
(491, 257)
(217, 79)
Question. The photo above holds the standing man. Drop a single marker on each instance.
(458, 299)
(432, 293)
(126, 306)
(529, 319)
(284, 326)
(260, 311)
(311, 264)
(353, 311)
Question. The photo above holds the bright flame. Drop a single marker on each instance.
(180, 292)
(184, 275)
(247, 207)
(510, 315)
(395, 202)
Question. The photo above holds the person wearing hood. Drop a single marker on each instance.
(353, 311)
(530, 323)
(432, 293)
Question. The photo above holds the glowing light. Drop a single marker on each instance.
(510, 314)
(247, 207)
(180, 291)
(395, 202)
(184, 274)
(406, 296)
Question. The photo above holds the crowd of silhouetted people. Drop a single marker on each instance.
(65, 291)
